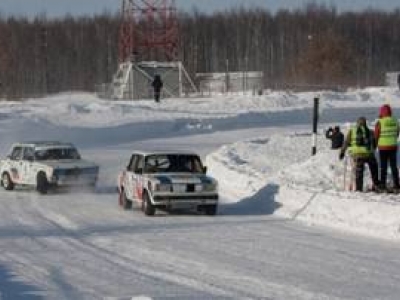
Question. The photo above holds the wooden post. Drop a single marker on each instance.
(315, 126)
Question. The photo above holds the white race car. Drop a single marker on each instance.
(46, 165)
(167, 180)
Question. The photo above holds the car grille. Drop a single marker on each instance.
(76, 171)
(183, 188)
(190, 188)
(73, 172)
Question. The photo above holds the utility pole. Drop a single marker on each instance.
(227, 76)
(315, 125)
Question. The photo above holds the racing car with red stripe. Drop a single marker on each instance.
(167, 181)
(46, 165)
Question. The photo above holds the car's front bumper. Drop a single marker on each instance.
(183, 200)
(74, 180)
(75, 177)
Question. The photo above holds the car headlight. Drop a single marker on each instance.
(199, 188)
(210, 187)
(163, 187)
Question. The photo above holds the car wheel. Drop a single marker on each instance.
(124, 202)
(148, 208)
(42, 185)
(7, 182)
(210, 210)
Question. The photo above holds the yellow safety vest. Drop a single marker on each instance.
(388, 134)
(360, 150)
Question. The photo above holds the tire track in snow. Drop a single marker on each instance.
(127, 264)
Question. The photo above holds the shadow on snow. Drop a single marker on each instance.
(12, 288)
(262, 203)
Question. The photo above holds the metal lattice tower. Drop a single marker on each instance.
(149, 30)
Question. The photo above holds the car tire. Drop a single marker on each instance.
(210, 210)
(148, 208)
(124, 202)
(42, 184)
(6, 182)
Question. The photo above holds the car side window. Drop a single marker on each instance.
(132, 163)
(139, 164)
(16, 153)
(29, 153)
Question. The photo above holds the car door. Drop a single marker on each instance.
(27, 171)
(137, 178)
(129, 176)
(16, 165)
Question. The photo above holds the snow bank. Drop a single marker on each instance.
(309, 189)
(86, 110)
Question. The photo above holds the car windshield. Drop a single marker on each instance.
(175, 163)
(56, 154)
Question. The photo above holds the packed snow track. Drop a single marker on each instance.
(80, 245)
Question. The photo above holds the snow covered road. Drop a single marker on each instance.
(81, 245)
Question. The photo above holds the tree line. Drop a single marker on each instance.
(310, 47)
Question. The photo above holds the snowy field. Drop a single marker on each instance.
(285, 229)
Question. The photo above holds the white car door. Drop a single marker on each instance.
(27, 172)
(129, 177)
(15, 165)
(137, 178)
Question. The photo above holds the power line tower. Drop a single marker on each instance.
(149, 30)
(148, 46)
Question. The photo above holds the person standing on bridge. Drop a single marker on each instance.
(157, 85)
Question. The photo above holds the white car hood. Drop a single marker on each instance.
(68, 163)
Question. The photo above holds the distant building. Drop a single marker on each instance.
(214, 83)
(392, 79)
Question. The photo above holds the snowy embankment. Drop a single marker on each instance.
(280, 175)
(87, 111)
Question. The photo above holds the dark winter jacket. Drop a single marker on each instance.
(384, 112)
(157, 83)
(336, 136)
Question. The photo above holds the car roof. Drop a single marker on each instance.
(167, 152)
(44, 144)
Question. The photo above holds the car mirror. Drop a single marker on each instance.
(204, 169)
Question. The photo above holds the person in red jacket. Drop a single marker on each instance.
(386, 134)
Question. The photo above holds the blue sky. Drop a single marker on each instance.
(54, 8)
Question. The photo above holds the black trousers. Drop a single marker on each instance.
(157, 95)
(389, 156)
(373, 168)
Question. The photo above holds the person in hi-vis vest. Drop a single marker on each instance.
(386, 134)
(361, 144)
